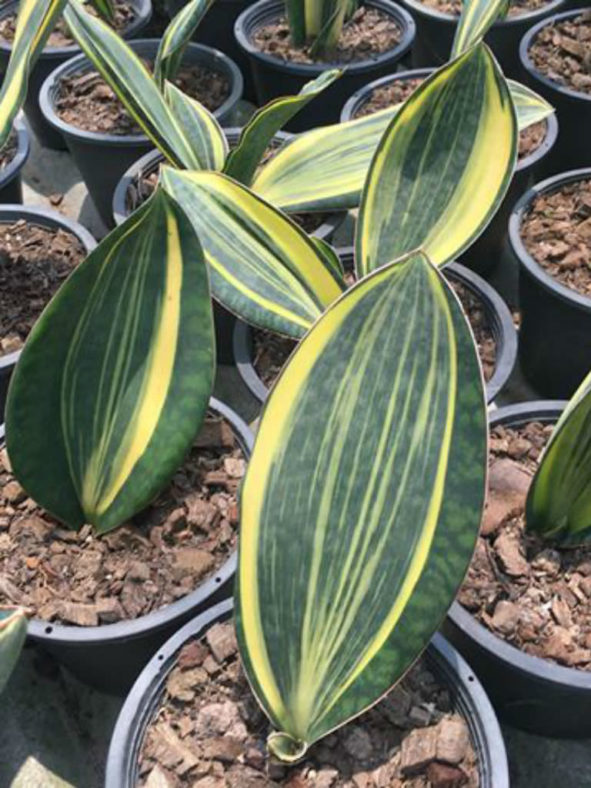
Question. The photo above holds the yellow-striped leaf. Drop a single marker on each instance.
(559, 500)
(176, 37)
(266, 122)
(318, 22)
(199, 126)
(362, 501)
(443, 166)
(105, 9)
(116, 375)
(13, 631)
(325, 169)
(262, 266)
(35, 22)
(530, 106)
(476, 19)
(127, 75)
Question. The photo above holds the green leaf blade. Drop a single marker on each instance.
(176, 37)
(443, 166)
(476, 19)
(263, 267)
(13, 631)
(124, 357)
(258, 134)
(199, 127)
(382, 457)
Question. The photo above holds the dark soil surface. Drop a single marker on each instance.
(8, 152)
(161, 555)
(557, 234)
(396, 92)
(271, 351)
(562, 52)
(368, 33)
(516, 7)
(85, 100)
(210, 733)
(60, 35)
(34, 261)
(524, 589)
(140, 190)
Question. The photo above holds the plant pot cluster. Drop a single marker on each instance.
(147, 602)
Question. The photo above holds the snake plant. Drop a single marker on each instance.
(318, 23)
(13, 630)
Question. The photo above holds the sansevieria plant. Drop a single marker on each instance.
(13, 630)
(318, 23)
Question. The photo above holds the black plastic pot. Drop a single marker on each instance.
(466, 694)
(216, 29)
(224, 321)
(110, 657)
(528, 692)
(489, 252)
(103, 158)
(275, 77)
(436, 31)
(49, 60)
(496, 310)
(45, 218)
(573, 108)
(555, 334)
(11, 187)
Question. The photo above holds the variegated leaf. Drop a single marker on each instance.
(263, 267)
(129, 78)
(35, 22)
(116, 375)
(371, 459)
(176, 37)
(443, 166)
(530, 106)
(13, 631)
(476, 19)
(105, 9)
(199, 126)
(559, 500)
(258, 133)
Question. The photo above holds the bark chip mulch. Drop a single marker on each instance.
(368, 33)
(34, 262)
(527, 590)
(209, 732)
(562, 52)
(557, 234)
(516, 7)
(159, 556)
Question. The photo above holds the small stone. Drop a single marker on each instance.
(585, 584)
(508, 485)
(222, 641)
(191, 560)
(109, 610)
(506, 617)
(158, 779)
(138, 572)
(200, 513)
(419, 717)
(254, 758)
(510, 556)
(80, 614)
(13, 492)
(236, 468)
(418, 750)
(326, 778)
(217, 718)
(441, 775)
(362, 780)
(561, 612)
(396, 705)
(547, 561)
(358, 744)
(181, 683)
(192, 655)
(32, 562)
(222, 748)
(452, 741)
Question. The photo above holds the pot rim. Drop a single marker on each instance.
(46, 632)
(23, 150)
(361, 96)
(80, 62)
(515, 659)
(471, 702)
(120, 213)
(526, 261)
(501, 324)
(528, 65)
(452, 19)
(272, 9)
(143, 10)
(46, 217)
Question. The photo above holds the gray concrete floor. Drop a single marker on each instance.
(54, 731)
